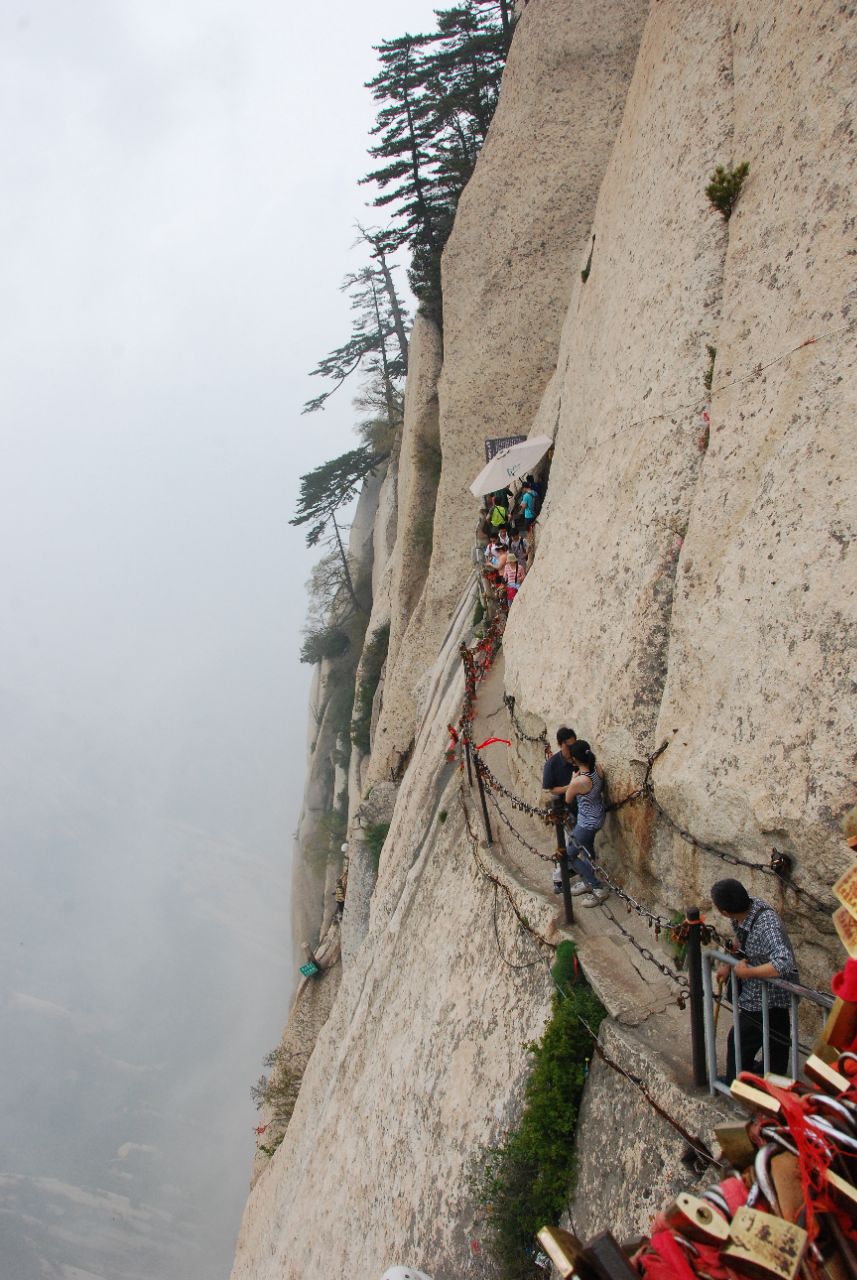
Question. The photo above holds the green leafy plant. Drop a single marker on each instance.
(268, 1149)
(478, 613)
(584, 275)
(708, 376)
(324, 642)
(279, 1090)
(724, 187)
(374, 837)
(374, 657)
(525, 1182)
(676, 945)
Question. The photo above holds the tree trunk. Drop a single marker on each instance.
(393, 299)
(349, 583)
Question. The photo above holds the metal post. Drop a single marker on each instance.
(469, 766)
(793, 1028)
(766, 1031)
(710, 1028)
(481, 785)
(562, 858)
(697, 998)
(736, 1022)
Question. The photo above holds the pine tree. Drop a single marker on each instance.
(404, 140)
(323, 491)
(377, 342)
(438, 93)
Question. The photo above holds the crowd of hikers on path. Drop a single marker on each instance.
(507, 524)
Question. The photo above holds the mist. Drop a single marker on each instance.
(180, 191)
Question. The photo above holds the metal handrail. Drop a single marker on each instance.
(796, 993)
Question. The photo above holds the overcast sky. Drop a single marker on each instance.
(179, 191)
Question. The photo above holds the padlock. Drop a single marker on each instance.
(608, 1260)
(763, 1246)
(846, 926)
(778, 1081)
(840, 1030)
(565, 1252)
(735, 1144)
(825, 1076)
(754, 1099)
(697, 1220)
(842, 1191)
(785, 1173)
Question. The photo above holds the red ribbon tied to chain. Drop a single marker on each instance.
(487, 743)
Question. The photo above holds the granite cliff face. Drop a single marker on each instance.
(694, 583)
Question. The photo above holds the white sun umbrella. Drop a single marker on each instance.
(510, 463)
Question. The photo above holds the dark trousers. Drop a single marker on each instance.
(750, 1025)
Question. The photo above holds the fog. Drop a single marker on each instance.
(180, 189)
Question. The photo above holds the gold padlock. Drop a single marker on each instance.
(779, 1082)
(843, 1192)
(697, 1220)
(735, 1145)
(754, 1099)
(763, 1246)
(564, 1251)
(825, 1076)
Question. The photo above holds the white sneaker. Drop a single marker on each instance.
(579, 888)
(595, 899)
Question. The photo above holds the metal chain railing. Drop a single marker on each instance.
(545, 857)
(668, 972)
(734, 860)
(777, 869)
(520, 731)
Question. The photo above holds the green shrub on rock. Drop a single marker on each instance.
(525, 1183)
(724, 187)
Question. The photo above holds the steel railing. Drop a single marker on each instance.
(795, 992)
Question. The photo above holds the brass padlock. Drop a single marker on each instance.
(763, 1246)
(697, 1220)
(779, 1082)
(754, 1099)
(825, 1076)
(842, 1191)
(735, 1145)
(565, 1252)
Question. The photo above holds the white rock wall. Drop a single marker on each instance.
(695, 589)
(522, 222)
(710, 585)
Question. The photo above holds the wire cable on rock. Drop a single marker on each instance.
(695, 1143)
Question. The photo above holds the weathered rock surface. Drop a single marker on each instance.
(711, 578)
(409, 654)
(522, 224)
(695, 582)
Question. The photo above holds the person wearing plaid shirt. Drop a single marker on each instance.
(766, 952)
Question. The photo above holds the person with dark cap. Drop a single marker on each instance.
(766, 952)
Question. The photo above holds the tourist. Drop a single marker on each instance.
(513, 575)
(766, 952)
(498, 515)
(587, 788)
(518, 543)
(557, 774)
(528, 506)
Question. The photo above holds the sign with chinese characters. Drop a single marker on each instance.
(493, 447)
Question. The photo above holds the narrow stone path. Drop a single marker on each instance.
(632, 988)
